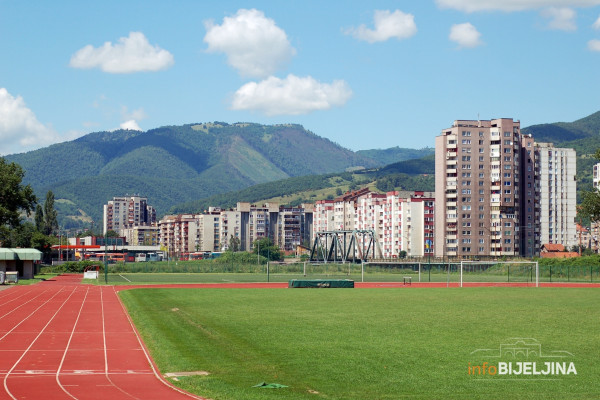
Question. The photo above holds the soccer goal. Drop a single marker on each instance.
(500, 272)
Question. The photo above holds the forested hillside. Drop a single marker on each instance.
(175, 164)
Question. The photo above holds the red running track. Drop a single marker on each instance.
(63, 340)
(60, 339)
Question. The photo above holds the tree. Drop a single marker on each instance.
(50, 215)
(267, 249)
(234, 244)
(39, 218)
(15, 199)
(14, 196)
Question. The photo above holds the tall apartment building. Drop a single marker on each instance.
(485, 190)
(594, 226)
(127, 212)
(558, 194)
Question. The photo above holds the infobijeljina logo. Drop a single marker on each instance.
(521, 358)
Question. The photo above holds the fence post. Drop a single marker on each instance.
(268, 272)
(568, 273)
(591, 276)
(509, 273)
(550, 273)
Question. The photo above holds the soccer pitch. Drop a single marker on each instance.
(371, 343)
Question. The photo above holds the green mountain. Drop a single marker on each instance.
(176, 164)
(395, 154)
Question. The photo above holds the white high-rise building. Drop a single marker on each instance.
(558, 194)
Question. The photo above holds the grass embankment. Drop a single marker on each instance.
(368, 343)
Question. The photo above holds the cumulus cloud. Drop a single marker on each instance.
(466, 35)
(387, 25)
(130, 54)
(512, 5)
(20, 129)
(596, 24)
(137, 115)
(562, 19)
(131, 125)
(594, 45)
(254, 44)
(290, 96)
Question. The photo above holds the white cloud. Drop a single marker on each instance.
(20, 129)
(466, 35)
(596, 24)
(290, 96)
(594, 45)
(131, 54)
(131, 125)
(512, 5)
(562, 19)
(387, 25)
(253, 43)
(137, 115)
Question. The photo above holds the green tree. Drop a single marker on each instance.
(267, 249)
(39, 218)
(50, 215)
(234, 244)
(15, 199)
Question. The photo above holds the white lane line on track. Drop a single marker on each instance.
(62, 360)
(34, 340)
(105, 352)
(30, 314)
(156, 374)
(13, 309)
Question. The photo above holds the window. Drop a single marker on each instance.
(466, 141)
(506, 134)
(466, 133)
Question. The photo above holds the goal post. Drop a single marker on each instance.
(500, 272)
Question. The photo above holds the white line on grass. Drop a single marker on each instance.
(124, 278)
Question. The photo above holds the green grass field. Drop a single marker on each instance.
(366, 343)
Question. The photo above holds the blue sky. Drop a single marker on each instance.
(366, 75)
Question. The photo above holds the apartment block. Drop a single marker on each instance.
(208, 231)
(323, 216)
(213, 230)
(401, 221)
(127, 212)
(178, 233)
(141, 235)
(485, 189)
(558, 194)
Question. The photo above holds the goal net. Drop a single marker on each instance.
(500, 272)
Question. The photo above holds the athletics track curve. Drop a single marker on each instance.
(61, 339)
